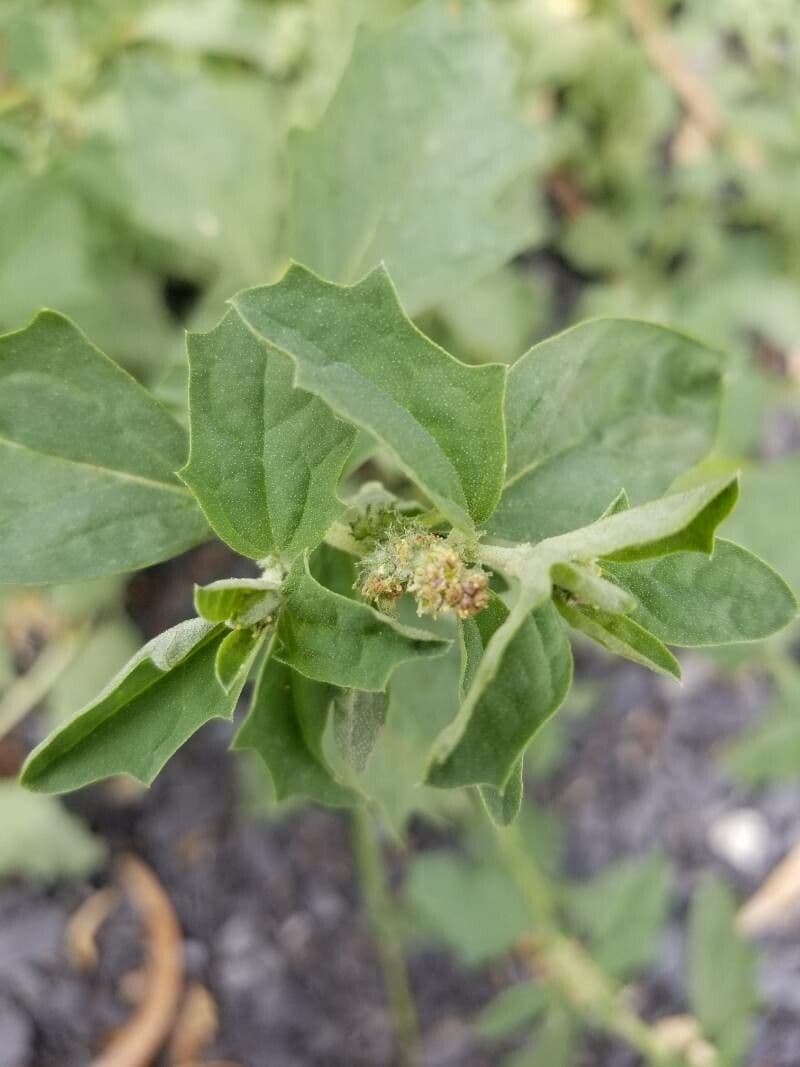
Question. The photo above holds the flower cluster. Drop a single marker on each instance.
(414, 560)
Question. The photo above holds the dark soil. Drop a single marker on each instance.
(270, 910)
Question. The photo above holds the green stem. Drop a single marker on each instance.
(25, 692)
(568, 966)
(369, 863)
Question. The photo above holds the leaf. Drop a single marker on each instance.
(344, 642)
(143, 716)
(265, 458)
(42, 841)
(768, 521)
(623, 910)
(285, 726)
(586, 585)
(475, 910)
(688, 599)
(237, 600)
(512, 1008)
(235, 655)
(555, 1042)
(620, 635)
(682, 521)
(358, 718)
(606, 405)
(770, 750)
(721, 971)
(88, 457)
(529, 685)
(354, 348)
(420, 161)
(504, 805)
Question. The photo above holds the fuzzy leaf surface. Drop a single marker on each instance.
(265, 457)
(243, 600)
(621, 636)
(354, 348)
(689, 600)
(358, 718)
(450, 210)
(285, 726)
(88, 485)
(331, 638)
(531, 682)
(606, 405)
(143, 716)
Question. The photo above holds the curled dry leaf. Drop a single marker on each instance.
(137, 1043)
(776, 901)
(84, 926)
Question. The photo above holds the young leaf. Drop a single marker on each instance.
(620, 635)
(514, 1007)
(242, 600)
(358, 718)
(344, 642)
(688, 599)
(606, 405)
(583, 583)
(504, 805)
(88, 487)
(721, 971)
(265, 458)
(354, 348)
(420, 161)
(143, 716)
(285, 726)
(236, 653)
(527, 687)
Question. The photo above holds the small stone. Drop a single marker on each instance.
(741, 838)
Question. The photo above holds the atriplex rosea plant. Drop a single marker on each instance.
(528, 503)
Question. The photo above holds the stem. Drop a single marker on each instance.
(369, 863)
(568, 966)
(29, 689)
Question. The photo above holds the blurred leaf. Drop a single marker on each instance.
(358, 719)
(768, 521)
(721, 971)
(420, 161)
(474, 909)
(41, 841)
(512, 1008)
(265, 457)
(355, 350)
(611, 404)
(770, 750)
(623, 910)
(108, 647)
(89, 487)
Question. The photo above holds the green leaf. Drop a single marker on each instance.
(721, 971)
(475, 910)
(235, 655)
(42, 841)
(265, 458)
(688, 599)
(514, 1007)
(358, 718)
(420, 161)
(623, 910)
(354, 348)
(620, 635)
(237, 600)
(344, 642)
(142, 717)
(682, 521)
(88, 456)
(504, 805)
(554, 1044)
(527, 687)
(770, 750)
(589, 586)
(609, 404)
(285, 726)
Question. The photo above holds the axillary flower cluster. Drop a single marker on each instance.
(412, 559)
